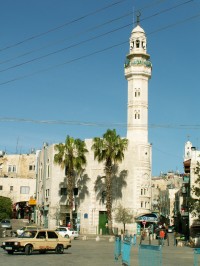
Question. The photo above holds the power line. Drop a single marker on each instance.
(71, 22)
(93, 53)
(96, 124)
(90, 39)
(61, 26)
(60, 41)
(80, 33)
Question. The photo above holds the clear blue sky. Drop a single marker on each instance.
(61, 63)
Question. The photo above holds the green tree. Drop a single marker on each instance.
(71, 157)
(5, 208)
(109, 150)
(123, 215)
(194, 201)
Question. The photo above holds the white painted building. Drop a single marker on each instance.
(191, 157)
(17, 189)
(133, 179)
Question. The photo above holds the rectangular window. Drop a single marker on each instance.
(1, 187)
(63, 191)
(47, 193)
(24, 190)
(48, 172)
(31, 167)
(11, 188)
(12, 168)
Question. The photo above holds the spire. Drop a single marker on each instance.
(138, 17)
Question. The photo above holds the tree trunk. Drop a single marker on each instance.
(109, 200)
(71, 199)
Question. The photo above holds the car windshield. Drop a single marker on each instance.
(27, 234)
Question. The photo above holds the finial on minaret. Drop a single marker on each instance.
(138, 17)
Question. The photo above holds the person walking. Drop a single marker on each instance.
(134, 239)
(175, 238)
(162, 236)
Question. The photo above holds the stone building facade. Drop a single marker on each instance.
(18, 182)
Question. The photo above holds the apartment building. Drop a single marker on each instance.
(18, 182)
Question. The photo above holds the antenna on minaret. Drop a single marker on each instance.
(138, 17)
(133, 16)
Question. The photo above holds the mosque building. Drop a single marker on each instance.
(133, 180)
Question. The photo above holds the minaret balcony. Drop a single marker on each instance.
(137, 70)
(138, 62)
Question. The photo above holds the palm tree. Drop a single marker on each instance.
(71, 157)
(110, 150)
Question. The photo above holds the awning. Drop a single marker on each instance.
(148, 217)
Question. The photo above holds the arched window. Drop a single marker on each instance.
(137, 114)
(137, 44)
(144, 45)
(135, 92)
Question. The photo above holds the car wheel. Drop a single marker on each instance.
(67, 236)
(10, 252)
(59, 249)
(28, 249)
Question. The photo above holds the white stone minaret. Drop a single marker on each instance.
(138, 72)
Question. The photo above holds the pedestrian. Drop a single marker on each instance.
(175, 238)
(143, 234)
(134, 239)
(162, 236)
(69, 225)
(106, 225)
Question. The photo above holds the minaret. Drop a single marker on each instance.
(139, 157)
(138, 72)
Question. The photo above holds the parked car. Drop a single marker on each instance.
(170, 229)
(39, 240)
(6, 223)
(24, 228)
(67, 232)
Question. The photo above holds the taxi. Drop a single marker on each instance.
(37, 240)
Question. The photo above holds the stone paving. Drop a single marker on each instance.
(98, 252)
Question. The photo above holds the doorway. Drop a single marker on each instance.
(103, 219)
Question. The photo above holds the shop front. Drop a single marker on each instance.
(146, 221)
